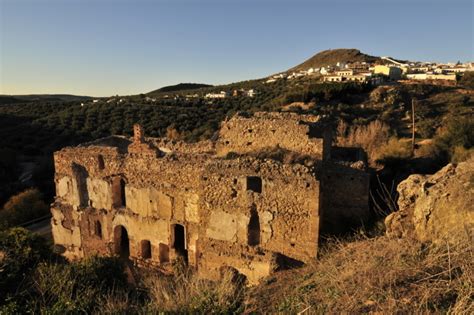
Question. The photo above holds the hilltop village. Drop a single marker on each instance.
(375, 71)
(214, 204)
(385, 69)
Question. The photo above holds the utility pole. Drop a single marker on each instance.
(413, 126)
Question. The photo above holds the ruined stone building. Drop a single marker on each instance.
(254, 199)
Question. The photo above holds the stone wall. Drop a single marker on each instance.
(159, 191)
(298, 133)
(283, 207)
(152, 200)
(345, 203)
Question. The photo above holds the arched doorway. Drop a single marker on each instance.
(121, 241)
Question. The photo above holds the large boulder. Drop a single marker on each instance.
(439, 207)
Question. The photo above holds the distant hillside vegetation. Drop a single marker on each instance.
(333, 56)
(5, 99)
(181, 87)
(11, 99)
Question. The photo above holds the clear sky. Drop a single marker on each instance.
(108, 47)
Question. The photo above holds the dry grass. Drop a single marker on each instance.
(395, 149)
(375, 139)
(378, 275)
(381, 275)
(370, 137)
(461, 154)
(186, 293)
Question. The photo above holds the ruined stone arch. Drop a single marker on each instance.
(121, 241)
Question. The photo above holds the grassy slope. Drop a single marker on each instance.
(374, 275)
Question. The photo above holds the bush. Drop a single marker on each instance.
(23, 207)
(21, 251)
(467, 79)
(394, 150)
(461, 154)
(458, 133)
(76, 287)
(31, 281)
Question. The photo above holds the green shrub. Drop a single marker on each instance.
(425, 128)
(467, 79)
(458, 133)
(395, 150)
(21, 251)
(78, 287)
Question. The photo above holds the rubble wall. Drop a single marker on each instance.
(159, 191)
(284, 211)
(289, 131)
(155, 200)
(345, 202)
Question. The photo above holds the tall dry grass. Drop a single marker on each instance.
(375, 139)
(185, 292)
(379, 275)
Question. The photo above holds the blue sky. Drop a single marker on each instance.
(108, 47)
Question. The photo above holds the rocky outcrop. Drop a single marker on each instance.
(437, 207)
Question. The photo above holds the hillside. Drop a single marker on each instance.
(367, 274)
(333, 56)
(180, 87)
(11, 99)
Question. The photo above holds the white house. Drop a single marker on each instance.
(222, 94)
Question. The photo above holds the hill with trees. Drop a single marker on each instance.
(10, 99)
(333, 56)
(180, 87)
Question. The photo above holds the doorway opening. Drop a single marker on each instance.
(254, 227)
(98, 229)
(145, 249)
(179, 241)
(164, 253)
(118, 192)
(121, 241)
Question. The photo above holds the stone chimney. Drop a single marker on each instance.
(139, 146)
(138, 134)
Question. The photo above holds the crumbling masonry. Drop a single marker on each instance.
(254, 200)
